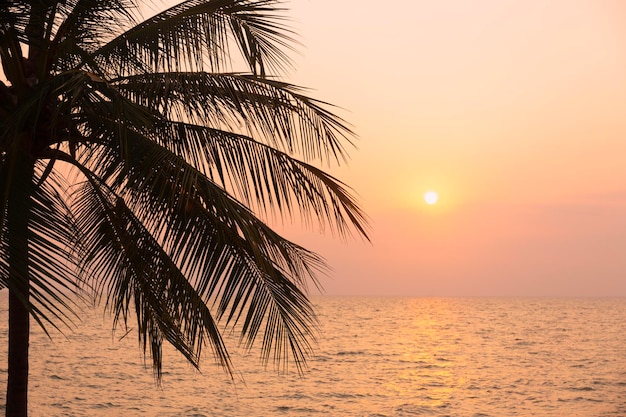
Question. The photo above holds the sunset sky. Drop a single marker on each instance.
(513, 111)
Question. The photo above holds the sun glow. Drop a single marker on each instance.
(431, 197)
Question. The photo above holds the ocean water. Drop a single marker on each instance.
(376, 357)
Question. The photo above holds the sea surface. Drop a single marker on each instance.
(376, 357)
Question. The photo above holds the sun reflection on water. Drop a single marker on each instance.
(377, 356)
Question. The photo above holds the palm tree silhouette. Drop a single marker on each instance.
(135, 168)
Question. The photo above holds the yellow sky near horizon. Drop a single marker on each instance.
(513, 111)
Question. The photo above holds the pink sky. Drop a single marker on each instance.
(514, 111)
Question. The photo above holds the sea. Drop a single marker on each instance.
(376, 357)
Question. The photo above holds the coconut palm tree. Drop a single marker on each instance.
(137, 166)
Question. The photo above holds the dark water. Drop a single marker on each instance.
(376, 357)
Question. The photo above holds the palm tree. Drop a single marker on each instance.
(137, 167)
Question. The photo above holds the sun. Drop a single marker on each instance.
(431, 197)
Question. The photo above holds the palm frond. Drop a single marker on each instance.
(265, 178)
(52, 279)
(129, 265)
(196, 32)
(228, 268)
(52, 237)
(270, 110)
(216, 239)
(84, 26)
(256, 172)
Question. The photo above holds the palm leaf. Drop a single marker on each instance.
(195, 32)
(137, 269)
(276, 111)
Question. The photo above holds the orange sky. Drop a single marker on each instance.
(514, 111)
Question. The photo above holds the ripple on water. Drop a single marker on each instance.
(378, 357)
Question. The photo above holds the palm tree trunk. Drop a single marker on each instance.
(19, 318)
